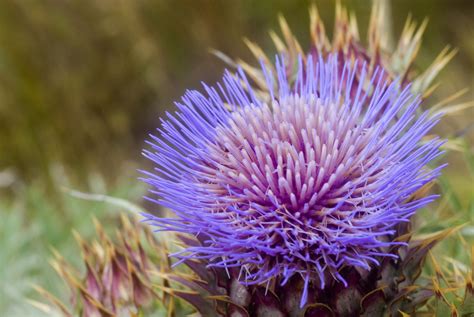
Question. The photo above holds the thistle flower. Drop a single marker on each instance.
(311, 183)
(300, 187)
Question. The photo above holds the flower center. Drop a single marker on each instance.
(299, 155)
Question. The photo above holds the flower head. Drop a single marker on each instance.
(308, 183)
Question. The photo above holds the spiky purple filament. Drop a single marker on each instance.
(306, 184)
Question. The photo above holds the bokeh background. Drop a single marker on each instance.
(82, 83)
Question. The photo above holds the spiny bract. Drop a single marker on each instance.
(306, 185)
(119, 275)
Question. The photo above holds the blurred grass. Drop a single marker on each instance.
(83, 82)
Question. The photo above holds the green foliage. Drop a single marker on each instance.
(18, 264)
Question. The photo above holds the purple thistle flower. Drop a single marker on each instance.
(314, 180)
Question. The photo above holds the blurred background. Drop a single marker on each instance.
(82, 83)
